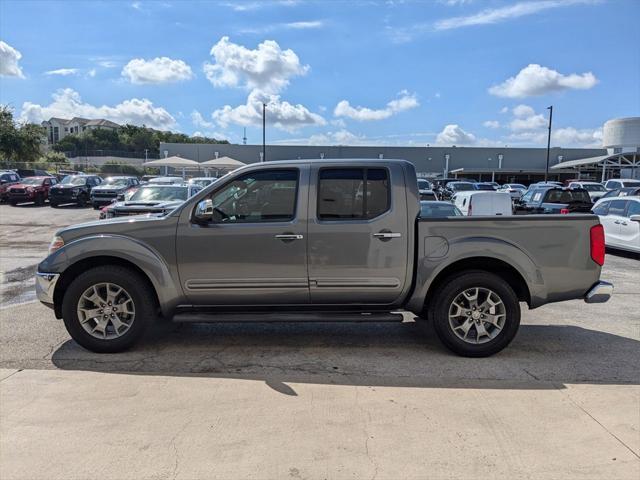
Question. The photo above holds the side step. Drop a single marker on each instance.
(208, 317)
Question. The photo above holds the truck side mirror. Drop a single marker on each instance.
(204, 211)
(635, 218)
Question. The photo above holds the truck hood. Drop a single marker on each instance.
(67, 186)
(142, 205)
(101, 188)
(127, 226)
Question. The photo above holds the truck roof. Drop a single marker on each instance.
(349, 161)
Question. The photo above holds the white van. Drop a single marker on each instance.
(483, 203)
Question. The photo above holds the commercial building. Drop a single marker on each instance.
(504, 165)
(58, 128)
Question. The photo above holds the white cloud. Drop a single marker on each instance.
(503, 14)
(492, 124)
(526, 119)
(92, 72)
(504, 110)
(311, 24)
(157, 70)
(535, 80)
(562, 137)
(455, 135)
(107, 63)
(198, 120)
(243, 6)
(267, 68)
(405, 101)
(281, 114)
(136, 5)
(523, 111)
(64, 72)
(9, 58)
(67, 104)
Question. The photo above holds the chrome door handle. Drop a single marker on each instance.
(624, 223)
(387, 235)
(289, 236)
(617, 222)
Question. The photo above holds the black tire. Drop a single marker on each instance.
(82, 200)
(13, 203)
(135, 285)
(442, 300)
(39, 199)
(53, 204)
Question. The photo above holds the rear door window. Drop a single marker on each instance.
(601, 209)
(353, 193)
(617, 207)
(633, 208)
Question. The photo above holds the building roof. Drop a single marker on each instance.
(100, 122)
(624, 159)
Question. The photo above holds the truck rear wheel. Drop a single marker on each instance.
(107, 309)
(475, 313)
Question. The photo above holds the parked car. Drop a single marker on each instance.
(622, 192)
(295, 238)
(545, 185)
(425, 191)
(73, 189)
(7, 178)
(485, 186)
(152, 199)
(516, 190)
(108, 191)
(436, 209)
(620, 218)
(202, 181)
(621, 183)
(126, 195)
(166, 181)
(483, 203)
(454, 187)
(596, 190)
(31, 189)
(554, 200)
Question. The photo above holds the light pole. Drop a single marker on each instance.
(264, 124)
(546, 170)
(493, 173)
(446, 165)
(500, 157)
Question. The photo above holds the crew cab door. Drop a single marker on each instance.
(255, 250)
(357, 237)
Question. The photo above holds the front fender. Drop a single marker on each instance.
(125, 248)
(465, 248)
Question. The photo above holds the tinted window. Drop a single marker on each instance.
(616, 207)
(439, 210)
(157, 194)
(633, 209)
(352, 193)
(631, 183)
(262, 196)
(567, 196)
(601, 209)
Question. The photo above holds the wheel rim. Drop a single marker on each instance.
(106, 311)
(477, 315)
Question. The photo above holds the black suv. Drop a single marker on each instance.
(73, 189)
(111, 188)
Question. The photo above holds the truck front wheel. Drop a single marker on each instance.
(475, 313)
(107, 309)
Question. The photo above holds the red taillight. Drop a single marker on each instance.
(564, 211)
(597, 244)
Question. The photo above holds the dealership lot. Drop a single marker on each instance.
(321, 400)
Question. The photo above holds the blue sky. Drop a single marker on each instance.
(449, 72)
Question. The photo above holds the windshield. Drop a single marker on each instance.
(203, 182)
(423, 185)
(116, 182)
(485, 186)
(73, 180)
(155, 194)
(517, 185)
(31, 181)
(438, 210)
(593, 187)
(631, 183)
(462, 186)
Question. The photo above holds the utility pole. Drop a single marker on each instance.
(244, 136)
(264, 124)
(546, 170)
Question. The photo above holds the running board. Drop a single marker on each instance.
(208, 317)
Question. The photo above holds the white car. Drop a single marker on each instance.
(596, 190)
(483, 203)
(621, 183)
(620, 217)
(516, 190)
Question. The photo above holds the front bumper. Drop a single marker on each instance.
(62, 197)
(45, 286)
(22, 197)
(599, 293)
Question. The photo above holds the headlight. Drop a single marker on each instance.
(76, 191)
(29, 189)
(56, 244)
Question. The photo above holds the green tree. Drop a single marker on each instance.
(19, 142)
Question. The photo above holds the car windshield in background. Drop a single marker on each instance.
(155, 194)
(517, 185)
(567, 196)
(438, 210)
(631, 183)
(594, 188)
(203, 182)
(116, 182)
(481, 186)
(423, 185)
(31, 181)
(461, 186)
(73, 180)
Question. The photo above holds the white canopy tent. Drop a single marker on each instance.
(222, 163)
(174, 162)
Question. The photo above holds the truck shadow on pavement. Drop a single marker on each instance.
(366, 354)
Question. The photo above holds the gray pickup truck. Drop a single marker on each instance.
(318, 240)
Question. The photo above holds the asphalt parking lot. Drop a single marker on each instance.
(321, 400)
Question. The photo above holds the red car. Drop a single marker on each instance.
(7, 179)
(31, 189)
